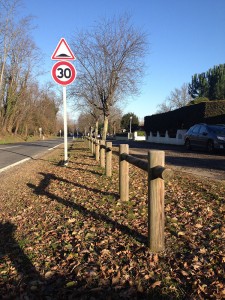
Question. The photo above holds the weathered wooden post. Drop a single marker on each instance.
(93, 141)
(92, 145)
(102, 154)
(108, 166)
(123, 173)
(156, 175)
(97, 150)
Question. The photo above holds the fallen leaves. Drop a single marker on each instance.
(72, 236)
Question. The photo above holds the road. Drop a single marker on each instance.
(12, 154)
(195, 162)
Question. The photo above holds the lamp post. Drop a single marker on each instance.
(130, 125)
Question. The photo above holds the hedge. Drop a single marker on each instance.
(122, 134)
(212, 112)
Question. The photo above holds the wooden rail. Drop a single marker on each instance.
(157, 174)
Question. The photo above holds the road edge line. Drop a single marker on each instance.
(15, 164)
(26, 159)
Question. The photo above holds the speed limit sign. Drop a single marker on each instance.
(63, 72)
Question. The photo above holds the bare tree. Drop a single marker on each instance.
(17, 76)
(110, 64)
(94, 118)
(6, 13)
(85, 122)
(115, 119)
(177, 99)
(16, 52)
(8, 10)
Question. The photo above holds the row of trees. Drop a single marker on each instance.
(206, 86)
(110, 66)
(117, 123)
(93, 120)
(24, 105)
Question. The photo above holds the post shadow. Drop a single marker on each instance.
(48, 177)
(10, 248)
(53, 288)
(28, 282)
(86, 170)
(41, 190)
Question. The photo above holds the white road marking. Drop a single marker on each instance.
(55, 147)
(21, 161)
(8, 147)
(17, 163)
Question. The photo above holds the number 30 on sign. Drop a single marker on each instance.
(63, 72)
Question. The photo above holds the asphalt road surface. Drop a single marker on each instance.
(12, 154)
(196, 162)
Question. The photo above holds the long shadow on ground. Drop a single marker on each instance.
(41, 190)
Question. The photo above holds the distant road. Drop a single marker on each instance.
(196, 162)
(12, 154)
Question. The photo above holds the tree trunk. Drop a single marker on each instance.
(105, 128)
(114, 128)
(26, 130)
(96, 129)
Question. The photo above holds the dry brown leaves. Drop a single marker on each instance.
(65, 234)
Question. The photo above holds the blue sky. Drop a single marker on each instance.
(185, 37)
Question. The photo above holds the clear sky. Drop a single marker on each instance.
(185, 37)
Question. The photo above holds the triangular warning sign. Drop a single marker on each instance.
(63, 51)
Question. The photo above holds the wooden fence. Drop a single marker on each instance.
(157, 174)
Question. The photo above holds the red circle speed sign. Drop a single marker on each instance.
(63, 72)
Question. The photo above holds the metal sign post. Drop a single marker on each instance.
(64, 73)
(65, 127)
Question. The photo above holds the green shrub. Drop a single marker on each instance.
(140, 133)
(199, 100)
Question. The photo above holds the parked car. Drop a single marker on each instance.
(205, 136)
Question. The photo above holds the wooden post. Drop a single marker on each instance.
(92, 146)
(123, 173)
(87, 142)
(108, 166)
(97, 150)
(155, 202)
(102, 154)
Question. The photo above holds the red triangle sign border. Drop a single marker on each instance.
(63, 56)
